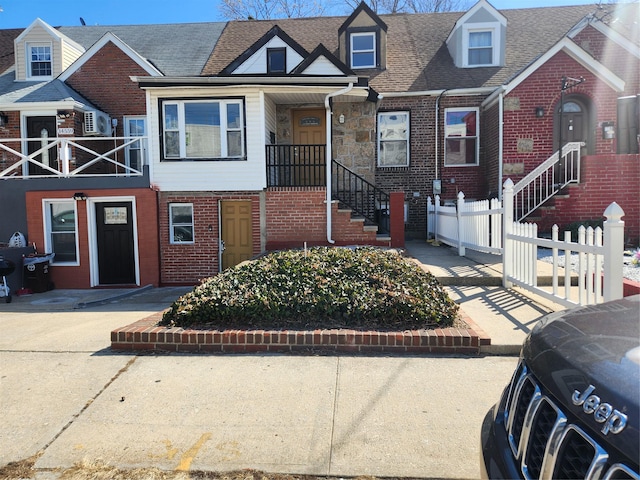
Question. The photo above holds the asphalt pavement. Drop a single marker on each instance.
(66, 395)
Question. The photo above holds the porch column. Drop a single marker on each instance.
(396, 218)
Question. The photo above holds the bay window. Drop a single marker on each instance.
(461, 137)
(203, 129)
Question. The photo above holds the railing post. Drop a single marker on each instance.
(459, 210)
(396, 218)
(507, 261)
(429, 216)
(613, 252)
(64, 157)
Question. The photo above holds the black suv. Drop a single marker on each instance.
(571, 410)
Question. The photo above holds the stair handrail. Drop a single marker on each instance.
(542, 183)
(365, 199)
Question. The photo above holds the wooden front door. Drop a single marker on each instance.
(236, 232)
(114, 230)
(309, 138)
(36, 128)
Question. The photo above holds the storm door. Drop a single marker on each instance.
(44, 129)
(114, 230)
(575, 124)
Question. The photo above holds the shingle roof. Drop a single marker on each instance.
(26, 92)
(417, 55)
(6, 47)
(174, 49)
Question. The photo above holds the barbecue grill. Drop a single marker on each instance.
(6, 268)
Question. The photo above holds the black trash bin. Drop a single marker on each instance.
(36, 272)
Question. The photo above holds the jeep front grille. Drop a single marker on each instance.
(545, 444)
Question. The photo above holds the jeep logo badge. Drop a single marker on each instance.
(613, 420)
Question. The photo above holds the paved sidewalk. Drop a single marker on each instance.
(66, 395)
(475, 282)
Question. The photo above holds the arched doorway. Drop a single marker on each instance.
(577, 123)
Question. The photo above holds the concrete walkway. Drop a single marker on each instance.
(475, 283)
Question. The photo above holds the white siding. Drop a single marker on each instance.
(270, 119)
(257, 63)
(232, 175)
(69, 55)
(322, 66)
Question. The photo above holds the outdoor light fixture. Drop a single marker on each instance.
(4, 119)
(539, 112)
(79, 196)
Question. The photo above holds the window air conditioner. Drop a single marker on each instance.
(97, 123)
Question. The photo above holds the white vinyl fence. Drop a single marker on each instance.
(488, 226)
(476, 225)
(597, 258)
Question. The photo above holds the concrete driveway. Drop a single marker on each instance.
(63, 392)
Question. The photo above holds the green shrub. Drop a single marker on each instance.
(362, 288)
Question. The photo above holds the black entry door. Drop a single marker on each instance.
(116, 259)
(35, 129)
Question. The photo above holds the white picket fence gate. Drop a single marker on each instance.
(476, 225)
(488, 226)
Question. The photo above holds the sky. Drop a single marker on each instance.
(21, 13)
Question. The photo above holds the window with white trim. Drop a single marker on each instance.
(363, 50)
(461, 137)
(39, 63)
(482, 45)
(393, 139)
(203, 129)
(181, 223)
(135, 152)
(61, 236)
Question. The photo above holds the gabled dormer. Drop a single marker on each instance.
(42, 53)
(276, 53)
(478, 37)
(362, 40)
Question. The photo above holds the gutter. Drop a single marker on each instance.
(242, 80)
(329, 113)
(435, 93)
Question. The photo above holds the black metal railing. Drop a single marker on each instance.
(361, 196)
(296, 165)
(304, 166)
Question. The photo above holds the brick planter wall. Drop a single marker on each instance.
(145, 335)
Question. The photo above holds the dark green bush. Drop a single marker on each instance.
(362, 288)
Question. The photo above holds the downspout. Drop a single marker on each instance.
(437, 127)
(500, 141)
(329, 154)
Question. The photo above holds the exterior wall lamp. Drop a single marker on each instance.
(4, 119)
(539, 112)
(79, 196)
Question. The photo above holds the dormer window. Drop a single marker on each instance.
(276, 60)
(39, 60)
(480, 48)
(363, 50)
(482, 43)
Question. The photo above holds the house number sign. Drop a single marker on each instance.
(115, 215)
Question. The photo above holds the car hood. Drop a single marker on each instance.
(597, 346)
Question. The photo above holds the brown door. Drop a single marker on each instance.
(235, 232)
(36, 128)
(309, 138)
(114, 230)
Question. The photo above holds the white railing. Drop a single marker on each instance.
(489, 226)
(72, 157)
(546, 180)
(476, 225)
(597, 258)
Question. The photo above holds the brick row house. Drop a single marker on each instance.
(164, 154)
